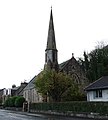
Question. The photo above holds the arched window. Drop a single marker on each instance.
(76, 78)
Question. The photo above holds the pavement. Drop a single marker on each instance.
(55, 114)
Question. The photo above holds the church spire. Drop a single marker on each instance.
(51, 60)
(51, 44)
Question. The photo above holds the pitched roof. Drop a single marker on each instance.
(101, 83)
(21, 88)
(62, 65)
(30, 84)
(15, 88)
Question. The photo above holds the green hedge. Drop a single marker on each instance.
(15, 101)
(75, 107)
(19, 101)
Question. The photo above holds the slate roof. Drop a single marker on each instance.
(101, 83)
(30, 84)
(21, 88)
(61, 66)
(15, 88)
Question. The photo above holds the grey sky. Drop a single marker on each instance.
(79, 25)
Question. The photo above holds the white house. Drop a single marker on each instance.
(98, 90)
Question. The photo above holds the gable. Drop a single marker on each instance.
(73, 68)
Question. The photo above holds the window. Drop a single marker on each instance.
(76, 78)
(98, 94)
(53, 56)
(25, 94)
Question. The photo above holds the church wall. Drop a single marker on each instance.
(73, 68)
(31, 95)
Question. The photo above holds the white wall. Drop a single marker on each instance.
(5, 91)
(9, 91)
(90, 96)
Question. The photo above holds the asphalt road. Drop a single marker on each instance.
(8, 115)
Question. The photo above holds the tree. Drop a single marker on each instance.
(86, 63)
(95, 63)
(19, 101)
(53, 84)
(12, 101)
(74, 94)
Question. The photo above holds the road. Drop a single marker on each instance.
(7, 115)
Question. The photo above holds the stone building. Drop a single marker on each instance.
(30, 93)
(73, 68)
(2, 95)
(70, 66)
(10, 92)
(51, 56)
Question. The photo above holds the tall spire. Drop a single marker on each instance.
(51, 44)
(51, 60)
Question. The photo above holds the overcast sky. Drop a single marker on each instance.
(79, 25)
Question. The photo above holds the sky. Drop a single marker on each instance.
(80, 25)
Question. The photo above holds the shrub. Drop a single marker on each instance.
(6, 103)
(19, 101)
(10, 102)
(0, 101)
(74, 107)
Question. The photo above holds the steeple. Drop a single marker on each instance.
(51, 60)
(51, 44)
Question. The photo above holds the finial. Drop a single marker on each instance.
(72, 54)
(51, 7)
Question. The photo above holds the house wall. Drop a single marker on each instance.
(90, 96)
(31, 95)
(5, 95)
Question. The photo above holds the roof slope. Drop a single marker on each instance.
(61, 65)
(31, 84)
(64, 64)
(101, 83)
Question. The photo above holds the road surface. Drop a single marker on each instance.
(8, 115)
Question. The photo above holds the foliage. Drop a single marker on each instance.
(74, 94)
(1, 101)
(6, 103)
(14, 101)
(73, 107)
(19, 101)
(95, 64)
(54, 84)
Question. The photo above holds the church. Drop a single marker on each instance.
(70, 66)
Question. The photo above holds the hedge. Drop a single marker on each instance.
(15, 101)
(74, 107)
(19, 101)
